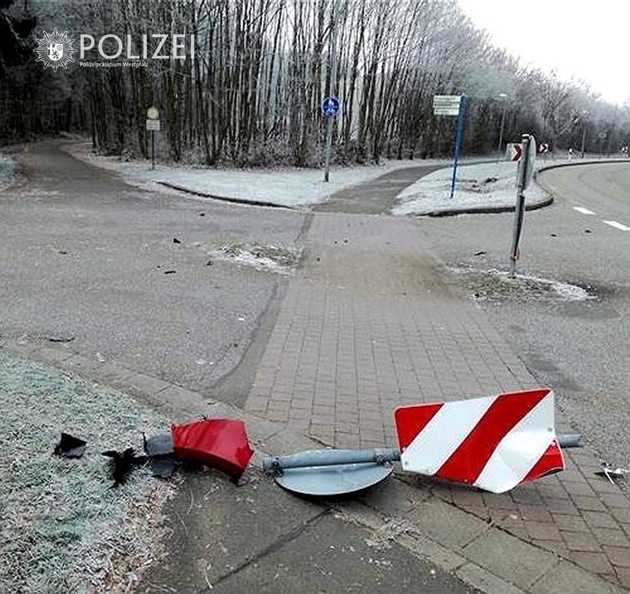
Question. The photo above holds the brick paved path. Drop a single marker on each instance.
(367, 325)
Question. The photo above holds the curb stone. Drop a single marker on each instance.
(536, 205)
(243, 201)
(480, 561)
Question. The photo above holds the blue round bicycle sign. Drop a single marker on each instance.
(330, 107)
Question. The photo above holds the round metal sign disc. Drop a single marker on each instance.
(327, 481)
(153, 113)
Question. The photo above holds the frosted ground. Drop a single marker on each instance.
(284, 186)
(482, 186)
(62, 527)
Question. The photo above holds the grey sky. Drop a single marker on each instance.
(579, 38)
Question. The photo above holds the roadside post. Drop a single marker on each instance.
(330, 105)
(526, 161)
(153, 124)
(330, 109)
(453, 105)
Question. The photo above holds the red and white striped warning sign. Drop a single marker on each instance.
(492, 443)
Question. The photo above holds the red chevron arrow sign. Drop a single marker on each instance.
(517, 152)
(491, 443)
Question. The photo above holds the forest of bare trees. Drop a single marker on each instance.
(251, 96)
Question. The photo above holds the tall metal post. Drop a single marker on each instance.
(502, 128)
(519, 212)
(459, 137)
(583, 138)
(331, 92)
(152, 149)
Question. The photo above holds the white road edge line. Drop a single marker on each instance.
(617, 225)
(583, 210)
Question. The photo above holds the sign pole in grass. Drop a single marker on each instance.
(153, 124)
(453, 105)
(459, 139)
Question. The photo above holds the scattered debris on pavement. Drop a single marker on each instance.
(483, 186)
(612, 473)
(261, 256)
(497, 285)
(170, 271)
(175, 240)
(60, 339)
(70, 446)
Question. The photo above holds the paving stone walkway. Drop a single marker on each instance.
(368, 325)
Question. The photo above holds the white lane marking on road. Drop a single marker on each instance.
(617, 225)
(583, 210)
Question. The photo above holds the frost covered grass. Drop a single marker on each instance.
(62, 527)
(7, 171)
(477, 186)
(498, 284)
(261, 256)
(286, 186)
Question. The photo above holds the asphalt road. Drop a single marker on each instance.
(580, 349)
(84, 256)
(376, 196)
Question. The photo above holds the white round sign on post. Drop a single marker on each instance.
(153, 113)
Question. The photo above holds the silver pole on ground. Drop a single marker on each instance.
(332, 457)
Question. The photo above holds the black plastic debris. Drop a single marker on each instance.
(163, 467)
(587, 231)
(158, 445)
(122, 463)
(70, 446)
(159, 450)
(60, 339)
(170, 271)
(175, 240)
(209, 263)
(480, 253)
